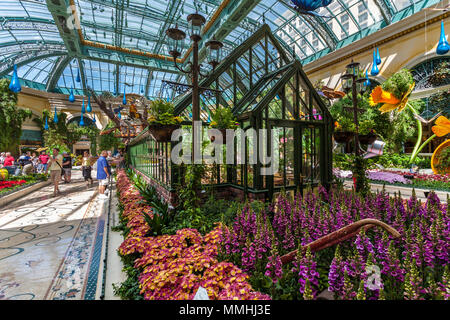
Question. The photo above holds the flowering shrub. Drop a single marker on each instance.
(11, 184)
(414, 266)
(174, 266)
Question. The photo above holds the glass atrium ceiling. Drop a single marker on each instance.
(30, 37)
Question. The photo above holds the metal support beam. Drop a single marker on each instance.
(148, 81)
(83, 76)
(117, 79)
(56, 72)
(25, 58)
(385, 10)
(170, 15)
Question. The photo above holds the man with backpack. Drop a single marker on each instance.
(55, 167)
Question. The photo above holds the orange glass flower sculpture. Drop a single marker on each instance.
(441, 127)
(390, 102)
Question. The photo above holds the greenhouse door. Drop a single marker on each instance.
(296, 146)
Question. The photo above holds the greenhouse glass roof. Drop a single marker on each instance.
(49, 56)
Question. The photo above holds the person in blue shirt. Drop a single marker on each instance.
(103, 173)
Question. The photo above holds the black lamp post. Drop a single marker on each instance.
(176, 36)
(352, 80)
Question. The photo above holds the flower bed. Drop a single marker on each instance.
(5, 185)
(428, 181)
(414, 266)
(174, 266)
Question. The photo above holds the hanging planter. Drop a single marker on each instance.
(343, 136)
(367, 138)
(162, 132)
(162, 121)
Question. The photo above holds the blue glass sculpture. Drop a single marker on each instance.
(78, 79)
(124, 101)
(81, 121)
(46, 124)
(308, 6)
(83, 110)
(374, 70)
(89, 108)
(119, 115)
(367, 82)
(378, 57)
(93, 120)
(14, 85)
(71, 97)
(443, 46)
(55, 118)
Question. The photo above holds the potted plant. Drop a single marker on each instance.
(162, 121)
(367, 134)
(344, 130)
(223, 119)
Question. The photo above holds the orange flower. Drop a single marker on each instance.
(378, 95)
(441, 127)
(337, 125)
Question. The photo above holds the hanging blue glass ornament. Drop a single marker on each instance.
(119, 115)
(378, 57)
(55, 118)
(190, 114)
(83, 110)
(81, 121)
(209, 118)
(367, 82)
(14, 85)
(71, 97)
(142, 89)
(168, 99)
(78, 79)
(124, 100)
(93, 120)
(374, 70)
(89, 108)
(443, 46)
(46, 124)
(308, 7)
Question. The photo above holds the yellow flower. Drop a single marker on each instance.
(441, 127)
(337, 125)
(378, 95)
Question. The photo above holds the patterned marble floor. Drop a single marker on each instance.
(49, 246)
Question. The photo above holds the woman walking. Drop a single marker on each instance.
(86, 168)
(55, 166)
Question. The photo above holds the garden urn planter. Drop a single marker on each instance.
(162, 133)
(367, 138)
(343, 136)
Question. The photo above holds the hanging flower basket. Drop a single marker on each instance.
(343, 136)
(367, 138)
(162, 133)
(224, 136)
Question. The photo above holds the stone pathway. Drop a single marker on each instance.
(50, 247)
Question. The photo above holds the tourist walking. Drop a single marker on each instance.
(67, 167)
(55, 167)
(86, 168)
(43, 158)
(103, 173)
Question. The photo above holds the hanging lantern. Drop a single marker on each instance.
(124, 100)
(83, 110)
(55, 118)
(374, 70)
(378, 57)
(81, 121)
(195, 21)
(46, 124)
(78, 76)
(443, 46)
(14, 86)
(89, 108)
(71, 97)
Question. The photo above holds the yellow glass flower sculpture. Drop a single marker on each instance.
(441, 127)
(390, 102)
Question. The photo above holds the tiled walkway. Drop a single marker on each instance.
(50, 247)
